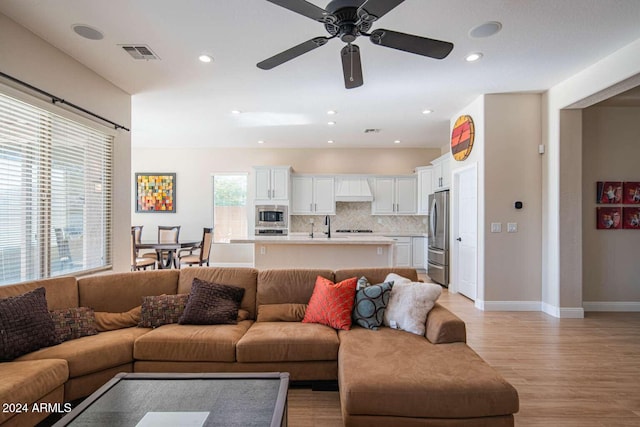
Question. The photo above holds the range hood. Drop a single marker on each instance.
(353, 189)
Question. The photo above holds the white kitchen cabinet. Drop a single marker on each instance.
(402, 252)
(313, 195)
(417, 252)
(272, 183)
(395, 195)
(425, 187)
(441, 172)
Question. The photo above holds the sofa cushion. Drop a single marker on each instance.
(62, 292)
(281, 312)
(25, 324)
(27, 382)
(191, 343)
(73, 323)
(370, 304)
(288, 342)
(106, 321)
(414, 378)
(212, 304)
(409, 304)
(288, 286)
(94, 353)
(120, 292)
(331, 303)
(158, 310)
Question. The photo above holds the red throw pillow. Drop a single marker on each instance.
(331, 303)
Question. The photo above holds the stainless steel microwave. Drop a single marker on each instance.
(272, 216)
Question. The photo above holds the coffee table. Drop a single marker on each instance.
(157, 399)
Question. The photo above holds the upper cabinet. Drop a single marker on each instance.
(441, 172)
(425, 187)
(395, 195)
(272, 183)
(313, 195)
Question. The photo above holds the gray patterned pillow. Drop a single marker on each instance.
(25, 324)
(212, 304)
(371, 301)
(72, 323)
(162, 310)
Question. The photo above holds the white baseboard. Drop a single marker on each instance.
(512, 306)
(631, 306)
(563, 312)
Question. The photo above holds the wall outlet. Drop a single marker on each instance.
(379, 251)
(311, 220)
(512, 227)
(379, 220)
(496, 227)
(263, 250)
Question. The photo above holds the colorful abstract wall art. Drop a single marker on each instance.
(156, 192)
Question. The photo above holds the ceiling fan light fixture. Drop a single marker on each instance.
(473, 57)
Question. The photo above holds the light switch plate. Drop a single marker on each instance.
(512, 227)
(496, 227)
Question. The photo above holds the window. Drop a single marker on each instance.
(55, 194)
(229, 207)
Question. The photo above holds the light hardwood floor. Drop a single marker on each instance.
(568, 372)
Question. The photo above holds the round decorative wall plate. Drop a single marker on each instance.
(462, 137)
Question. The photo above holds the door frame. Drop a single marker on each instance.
(455, 227)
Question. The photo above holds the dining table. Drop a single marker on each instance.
(169, 248)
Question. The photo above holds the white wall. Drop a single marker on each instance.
(27, 57)
(611, 152)
(561, 293)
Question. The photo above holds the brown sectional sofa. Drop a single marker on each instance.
(386, 377)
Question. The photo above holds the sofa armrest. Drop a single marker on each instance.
(444, 327)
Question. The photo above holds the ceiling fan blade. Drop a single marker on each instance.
(303, 8)
(292, 53)
(413, 44)
(351, 66)
(377, 8)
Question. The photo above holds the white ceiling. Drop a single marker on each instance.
(179, 101)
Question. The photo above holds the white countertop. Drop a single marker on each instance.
(319, 239)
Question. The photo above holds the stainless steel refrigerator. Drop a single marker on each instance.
(438, 252)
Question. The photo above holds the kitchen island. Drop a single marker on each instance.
(303, 251)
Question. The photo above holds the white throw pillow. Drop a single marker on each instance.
(396, 278)
(409, 304)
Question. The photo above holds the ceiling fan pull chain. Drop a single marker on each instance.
(351, 57)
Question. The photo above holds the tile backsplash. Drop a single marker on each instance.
(357, 215)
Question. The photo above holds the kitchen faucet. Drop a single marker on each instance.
(327, 222)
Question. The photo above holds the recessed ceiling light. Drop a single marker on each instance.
(205, 58)
(261, 142)
(331, 112)
(87, 32)
(472, 57)
(236, 112)
(331, 123)
(485, 30)
(330, 141)
(425, 112)
(397, 141)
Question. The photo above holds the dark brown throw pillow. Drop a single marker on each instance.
(25, 324)
(161, 310)
(212, 304)
(72, 323)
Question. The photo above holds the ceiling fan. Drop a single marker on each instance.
(348, 20)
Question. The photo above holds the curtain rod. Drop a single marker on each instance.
(55, 99)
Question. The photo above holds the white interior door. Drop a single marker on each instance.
(466, 227)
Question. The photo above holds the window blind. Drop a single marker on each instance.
(55, 194)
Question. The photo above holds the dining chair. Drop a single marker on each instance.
(187, 256)
(138, 263)
(138, 231)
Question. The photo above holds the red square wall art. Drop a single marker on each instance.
(609, 218)
(631, 218)
(631, 193)
(609, 192)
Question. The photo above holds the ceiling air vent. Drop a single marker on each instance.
(140, 51)
(371, 130)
